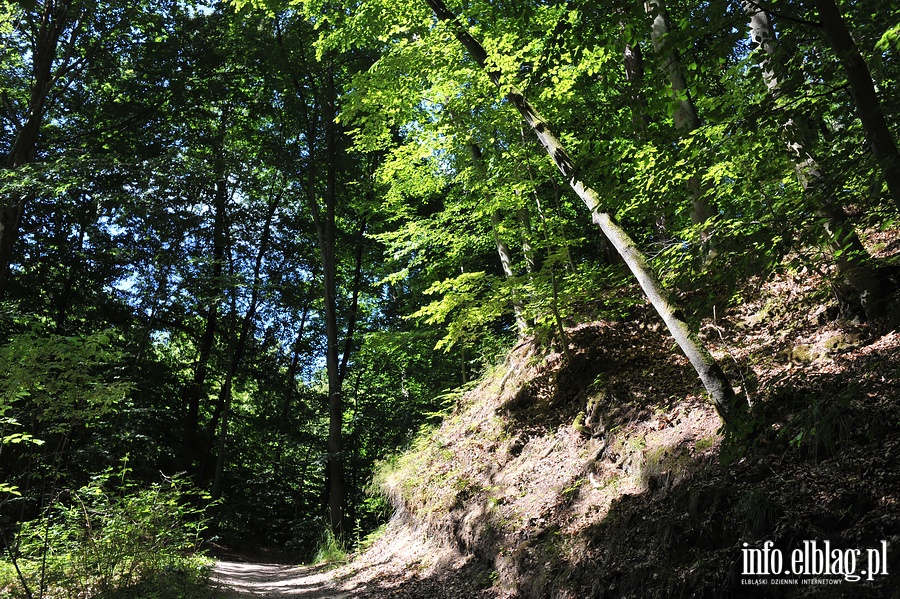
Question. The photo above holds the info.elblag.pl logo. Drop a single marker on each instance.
(812, 563)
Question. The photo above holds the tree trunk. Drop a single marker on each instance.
(462, 361)
(354, 300)
(685, 114)
(634, 76)
(335, 487)
(502, 248)
(194, 391)
(10, 219)
(554, 287)
(240, 348)
(325, 227)
(870, 113)
(64, 300)
(710, 373)
(325, 231)
(851, 257)
(44, 45)
(525, 223)
(506, 264)
(288, 401)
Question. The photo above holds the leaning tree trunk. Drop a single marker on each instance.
(712, 376)
(860, 79)
(851, 257)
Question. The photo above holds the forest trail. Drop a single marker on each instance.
(403, 563)
(237, 580)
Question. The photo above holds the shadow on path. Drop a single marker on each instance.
(236, 580)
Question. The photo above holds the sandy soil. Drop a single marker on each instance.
(235, 580)
(405, 563)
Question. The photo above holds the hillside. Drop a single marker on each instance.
(259, 259)
(608, 476)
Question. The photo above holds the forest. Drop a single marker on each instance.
(266, 264)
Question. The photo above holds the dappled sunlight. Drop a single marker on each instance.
(452, 299)
(250, 579)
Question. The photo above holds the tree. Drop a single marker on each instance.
(503, 251)
(684, 112)
(239, 348)
(58, 40)
(291, 230)
(850, 255)
(878, 135)
(710, 373)
(315, 94)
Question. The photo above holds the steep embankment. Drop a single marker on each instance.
(606, 476)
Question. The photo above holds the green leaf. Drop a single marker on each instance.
(890, 38)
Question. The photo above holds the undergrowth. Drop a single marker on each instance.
(330, 549)
(111, 539)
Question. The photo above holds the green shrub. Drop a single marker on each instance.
(112, 539)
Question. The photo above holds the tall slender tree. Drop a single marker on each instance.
(878, 135)
(685, 114)
(850, 255)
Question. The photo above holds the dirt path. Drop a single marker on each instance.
(237, 580)
(404, 563)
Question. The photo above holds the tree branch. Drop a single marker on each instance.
(11, 111)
